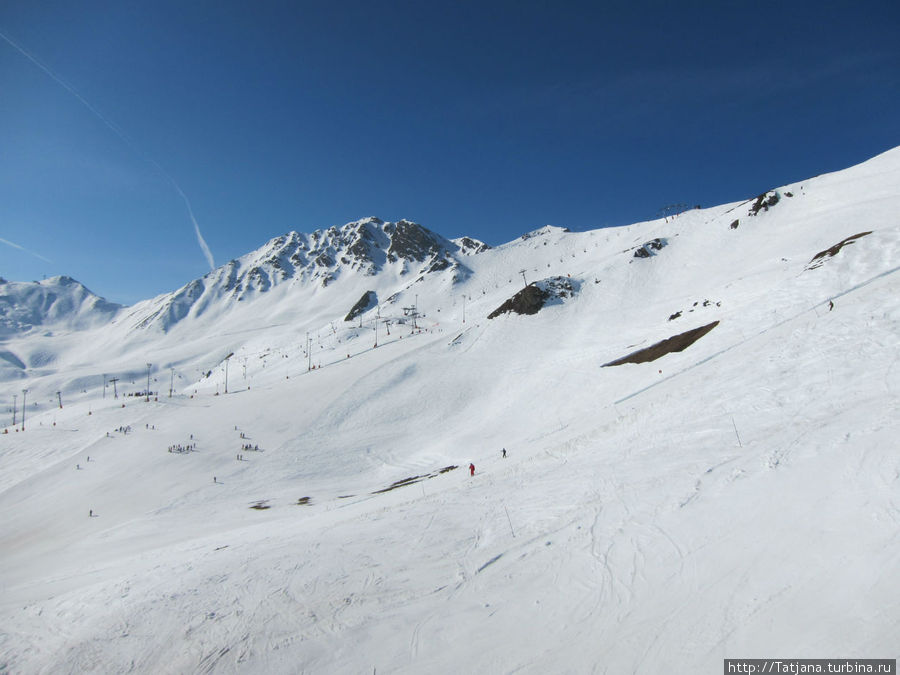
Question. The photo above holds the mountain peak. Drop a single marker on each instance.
(59, 301)
(364, 247)
(413, 242)
(544, 231)
(470, 246)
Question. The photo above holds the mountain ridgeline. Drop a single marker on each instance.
(60, 302)
(364, 248)
(352, 287)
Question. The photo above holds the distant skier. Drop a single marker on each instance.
(471, 469)
(504, 453)
(830, 305)
(91, 513)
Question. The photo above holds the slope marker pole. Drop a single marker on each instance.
(736, 432)
(509, 521)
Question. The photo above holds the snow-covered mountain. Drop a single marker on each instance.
(700, 415)
(365, 248)
(295, 279)
(60, 302)
(48, 307)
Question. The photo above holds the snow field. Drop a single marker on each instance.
(740, 503)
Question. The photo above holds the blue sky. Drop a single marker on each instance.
(485, 119)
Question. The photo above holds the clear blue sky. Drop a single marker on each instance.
(485, 118)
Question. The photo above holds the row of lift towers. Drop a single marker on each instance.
(407, 311)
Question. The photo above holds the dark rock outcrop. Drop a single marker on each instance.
(411, 241)
(764, 202)
(532, 298)
(469, 246)
(819, 258)
(676, 343)
(649, 248)
(368, 300)
(527, 301)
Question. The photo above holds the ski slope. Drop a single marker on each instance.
(739, 498)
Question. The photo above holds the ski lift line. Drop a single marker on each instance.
(359, 353)
(267, 351)
(790, 318)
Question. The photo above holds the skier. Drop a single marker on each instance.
(91, 513)
(471, 469)
(504, 453)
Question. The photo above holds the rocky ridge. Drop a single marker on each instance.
(365, 247)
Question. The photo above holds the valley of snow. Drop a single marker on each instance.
(739, 498)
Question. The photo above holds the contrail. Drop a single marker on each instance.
(200, 239)
(22, 248)
(123, 137)
(187, 202)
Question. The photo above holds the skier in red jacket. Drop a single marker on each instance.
(471, 469)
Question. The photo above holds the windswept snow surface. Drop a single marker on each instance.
(740, 498)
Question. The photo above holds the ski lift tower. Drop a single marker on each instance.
(411, 311)
(671, 210)
(377, 319)
(226, 370)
